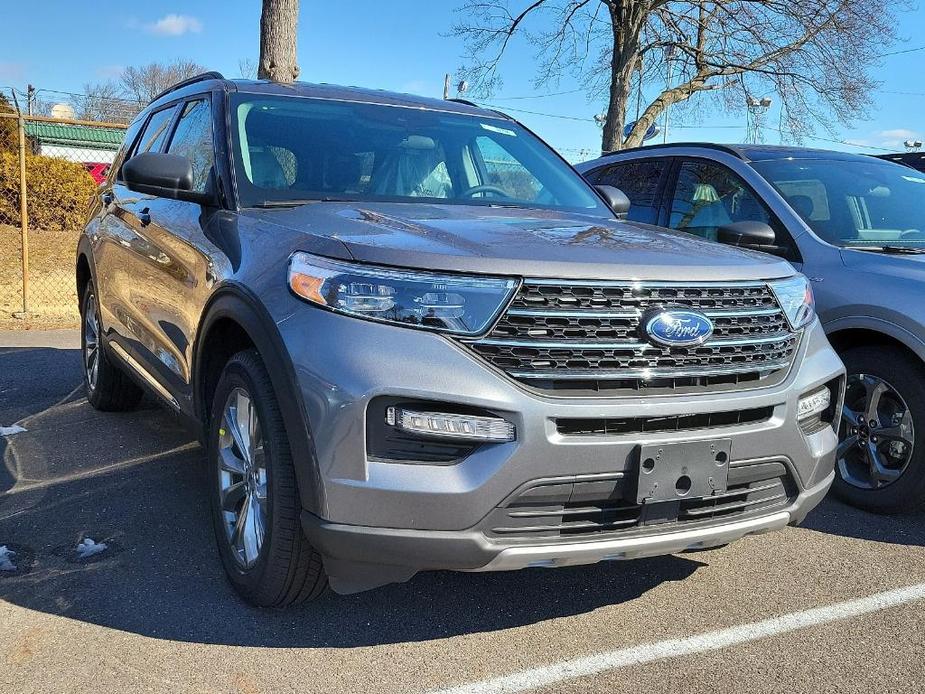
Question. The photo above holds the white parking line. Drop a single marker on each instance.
(710, 641)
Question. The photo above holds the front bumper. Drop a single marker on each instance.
(378, 522)
(471, 551)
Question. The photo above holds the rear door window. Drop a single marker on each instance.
(641, 181)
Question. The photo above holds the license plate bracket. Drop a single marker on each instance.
(682, 470)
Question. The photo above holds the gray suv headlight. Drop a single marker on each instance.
(459, 304)
(795, 296)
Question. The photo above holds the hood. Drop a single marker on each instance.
(522, 242)
(910, 267)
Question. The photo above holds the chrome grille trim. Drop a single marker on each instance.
(557, 333)
(642, 374)
(635, 345)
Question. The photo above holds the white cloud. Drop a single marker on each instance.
(175, 25)
(897, 134)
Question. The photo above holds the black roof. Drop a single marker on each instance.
(214, 80)
(758, 152)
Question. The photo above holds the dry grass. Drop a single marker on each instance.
(53, 295)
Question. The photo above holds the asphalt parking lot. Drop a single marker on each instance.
(152, 612)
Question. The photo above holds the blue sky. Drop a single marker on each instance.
(399, 45)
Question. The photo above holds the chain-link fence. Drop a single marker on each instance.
(50, 169)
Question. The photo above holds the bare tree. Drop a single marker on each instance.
(144, 83)
(104, 101)
(815, 55)
(247, 68)
(278, 23)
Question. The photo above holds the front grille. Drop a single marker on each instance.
(599, 505)
(583, 336)
(646, 425)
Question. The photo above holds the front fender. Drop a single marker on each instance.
(237, 303)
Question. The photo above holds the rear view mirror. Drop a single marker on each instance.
(755, 235)
(163, 175)
(616, 199)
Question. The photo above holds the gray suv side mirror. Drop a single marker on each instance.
(615, 198)
(163, 175)
(756, 235)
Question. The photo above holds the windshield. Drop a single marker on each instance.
(868, 204)
(293, 149)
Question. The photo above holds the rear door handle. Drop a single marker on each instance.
(144, 217)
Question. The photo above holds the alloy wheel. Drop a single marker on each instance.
(91, 342)
(877, 436)
(242, 478)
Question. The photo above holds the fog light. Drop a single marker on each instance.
(453, 426)
(814, 404)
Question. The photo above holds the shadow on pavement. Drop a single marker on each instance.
(136, 482)
(836, 518)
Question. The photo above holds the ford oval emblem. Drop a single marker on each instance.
(678, 328)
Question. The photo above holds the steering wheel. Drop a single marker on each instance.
(912, 235)
(475, 190)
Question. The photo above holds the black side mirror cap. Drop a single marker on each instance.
(163, 175)
(748, 234)
(615, 198)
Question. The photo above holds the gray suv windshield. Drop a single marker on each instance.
(868, 204)
(298, 149)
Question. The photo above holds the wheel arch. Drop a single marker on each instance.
(844, 334)
(234, 319)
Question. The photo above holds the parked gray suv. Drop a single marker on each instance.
(413, 338)
(855, 225)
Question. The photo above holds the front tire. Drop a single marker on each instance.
(108, 388)
(255, 499)
(880, 464)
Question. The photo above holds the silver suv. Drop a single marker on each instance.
(856, 226)
(412, 338)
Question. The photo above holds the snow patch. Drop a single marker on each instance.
(9, 431)
(89, 548)
(6, 555)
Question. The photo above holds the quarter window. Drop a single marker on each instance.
(193, 139)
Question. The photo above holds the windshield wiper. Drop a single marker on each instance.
(269, 204)
(894, 250)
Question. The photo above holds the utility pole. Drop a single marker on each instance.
(30, 98)
(446, 87)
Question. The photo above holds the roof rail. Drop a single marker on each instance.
(672, 145)
(465, 102)
(211, 75)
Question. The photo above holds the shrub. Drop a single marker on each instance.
(58, 191)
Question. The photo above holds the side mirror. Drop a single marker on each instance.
(163, 175)
(615, 198)
(755, 235)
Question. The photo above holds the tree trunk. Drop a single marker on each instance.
(627, 20)
(278, 22)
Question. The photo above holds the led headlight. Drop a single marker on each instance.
(453, 426)
(464, 305)
(795, 296)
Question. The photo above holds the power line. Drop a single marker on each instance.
(537, 96)
(901, 52)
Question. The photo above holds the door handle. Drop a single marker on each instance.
(108, 198)
(144, 217)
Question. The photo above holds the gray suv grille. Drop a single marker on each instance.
(583, 336)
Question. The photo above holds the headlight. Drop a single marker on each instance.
(465, 305)
(795, 296)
